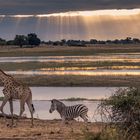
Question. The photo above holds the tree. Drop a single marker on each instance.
(20, 40)
(136, 40)
(93, 41)
(123, 110)
(33, 39)
(2, 41)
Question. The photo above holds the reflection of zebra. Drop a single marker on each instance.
(69, 112)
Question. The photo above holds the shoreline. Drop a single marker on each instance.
(68, 51)
(78, 81)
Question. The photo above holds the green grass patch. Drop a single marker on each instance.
(67, 51)
(11, 66)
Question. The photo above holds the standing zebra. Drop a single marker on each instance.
(69, 112)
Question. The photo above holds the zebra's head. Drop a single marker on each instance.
(53, 106)
(56, 105)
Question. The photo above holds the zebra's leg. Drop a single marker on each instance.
(11, 110)
(29, 104)
(63, 120)
(84, 117)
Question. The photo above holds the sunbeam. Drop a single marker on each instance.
(99, 24)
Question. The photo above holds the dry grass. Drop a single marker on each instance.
(78, 81)
(12, 66)
(48, 130)
(63, 50)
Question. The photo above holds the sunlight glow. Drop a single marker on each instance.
(21, 16)
(113, 12)
(2, 16)
(83, 25)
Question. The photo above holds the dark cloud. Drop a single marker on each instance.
(51, 6)
(54, 28)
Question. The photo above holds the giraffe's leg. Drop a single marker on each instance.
(2, 106)
(29, 104)
(22, 108)
(11, 110)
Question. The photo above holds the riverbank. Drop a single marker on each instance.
(7, 51)
(91, 66)
(78, 81)
(48, 129)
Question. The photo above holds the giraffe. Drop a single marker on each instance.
(15, 90)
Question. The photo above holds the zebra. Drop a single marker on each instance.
(69, 112)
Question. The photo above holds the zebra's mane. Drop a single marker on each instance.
(58, 102)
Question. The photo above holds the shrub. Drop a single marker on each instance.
(123, 110)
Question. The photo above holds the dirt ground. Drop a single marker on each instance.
(47, 130)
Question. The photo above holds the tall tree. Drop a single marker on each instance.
(33, 39)
(20, 40)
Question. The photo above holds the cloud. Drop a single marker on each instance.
(101, 26)
(53, 6)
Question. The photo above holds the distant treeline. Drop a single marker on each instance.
(22, 40)
(32, 40)
(64, 42)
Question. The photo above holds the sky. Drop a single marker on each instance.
(70, 19)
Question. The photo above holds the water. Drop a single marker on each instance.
(87, 71)
(131, 57)
(103, 72)
(42, 95)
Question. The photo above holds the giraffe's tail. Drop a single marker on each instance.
(33, 108)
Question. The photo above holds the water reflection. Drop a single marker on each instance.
(89, 68)
(78, 72)
(48, 93)
(41, 95)
(42, 109)
(103, 57)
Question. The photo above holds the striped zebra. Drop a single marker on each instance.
(69, 112)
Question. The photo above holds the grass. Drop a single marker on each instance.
(79, 99)
(11, 66)
(72, 80)
(107, 133)
(67, 51)
(79, 81)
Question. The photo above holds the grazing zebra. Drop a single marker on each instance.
(69, 112)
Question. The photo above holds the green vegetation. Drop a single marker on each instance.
(78, 81)
(79, 99)
(68, 51)
(123, 111)
(122, 114)
(1, 98)
(22, 40)
(11, 66)
(72, 80)
(107, 133)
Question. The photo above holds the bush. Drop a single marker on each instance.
(123, 110)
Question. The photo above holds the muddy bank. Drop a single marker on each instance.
(47, 129)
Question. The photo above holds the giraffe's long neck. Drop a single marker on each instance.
(4, 79)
